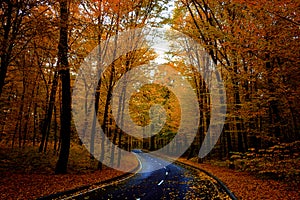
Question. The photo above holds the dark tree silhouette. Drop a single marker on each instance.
(61, 166)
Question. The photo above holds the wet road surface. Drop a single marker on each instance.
(169, 182)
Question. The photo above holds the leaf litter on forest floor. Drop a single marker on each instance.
(27, 174)
(246, 186)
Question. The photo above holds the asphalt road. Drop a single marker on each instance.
(170, 182)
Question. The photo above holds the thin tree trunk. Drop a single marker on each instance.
(47, 121)
(55, 130)
(274, 117)
(35, 118)
(108, 97)
(112, 155)
(27, 117)
(5, 56)
(228, 139)
(20, 116)
(93, 130)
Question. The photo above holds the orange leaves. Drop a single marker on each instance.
(32, 186)
(246, 186)
(26, 174)
(116, 6)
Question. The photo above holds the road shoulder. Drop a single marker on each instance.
(50, 186)
(246, 186)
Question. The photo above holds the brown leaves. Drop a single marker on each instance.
(246, 186)
(26, 174)
(32, 186)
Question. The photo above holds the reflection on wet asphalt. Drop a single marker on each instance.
(169, 182)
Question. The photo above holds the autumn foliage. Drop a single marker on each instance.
(254, 45)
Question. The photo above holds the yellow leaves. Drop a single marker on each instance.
(149, 95)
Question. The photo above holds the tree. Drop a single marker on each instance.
(64, 72)
(253, 43)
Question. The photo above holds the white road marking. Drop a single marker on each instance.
(160, 182)
(140, 163)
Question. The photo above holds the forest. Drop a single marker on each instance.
(253, 46)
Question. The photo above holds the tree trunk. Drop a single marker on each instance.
(55, 130)
(20, 116)
(5, 55)
(93, 131)
(47, 121)
(274, 117)
(65, 118)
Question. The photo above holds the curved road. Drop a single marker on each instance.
(170, 182)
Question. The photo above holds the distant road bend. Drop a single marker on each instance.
(171, 182)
